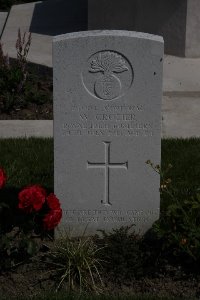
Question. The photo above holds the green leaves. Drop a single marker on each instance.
(121, 255)
(15, 248)
(179, 228)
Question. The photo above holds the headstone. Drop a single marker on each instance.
(107, 115)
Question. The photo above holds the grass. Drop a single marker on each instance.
(27, 161)
(184, 155)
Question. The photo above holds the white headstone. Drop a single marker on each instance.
(107, 124)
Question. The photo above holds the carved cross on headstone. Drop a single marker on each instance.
(107, 165)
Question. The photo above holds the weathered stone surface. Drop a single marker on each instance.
(162, 17)
(3, 17)
(177, 21)
(107, 115)
(192, 42)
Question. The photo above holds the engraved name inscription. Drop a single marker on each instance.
(108, 120)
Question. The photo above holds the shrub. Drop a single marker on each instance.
(25, 217)
(178, 229)
(121, 256)
(20, 86)
(13, 77)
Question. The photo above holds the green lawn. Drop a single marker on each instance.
(184, 155)
(27, 161)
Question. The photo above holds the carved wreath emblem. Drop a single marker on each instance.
(108, 86)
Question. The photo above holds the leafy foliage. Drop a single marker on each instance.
(24, 218)
(178, 229)
(121, 253)
(16, 250)
(16, 241)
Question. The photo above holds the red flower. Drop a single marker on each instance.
(52, 219)
(32, 198)
(2, 178)
(53, 202)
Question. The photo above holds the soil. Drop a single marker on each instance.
(33, 278)
(31, 112)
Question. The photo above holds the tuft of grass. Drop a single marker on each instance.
(75, 263)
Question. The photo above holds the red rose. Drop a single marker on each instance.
(52, 219)
(32, 198)
(2, 178)
(53, 202)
